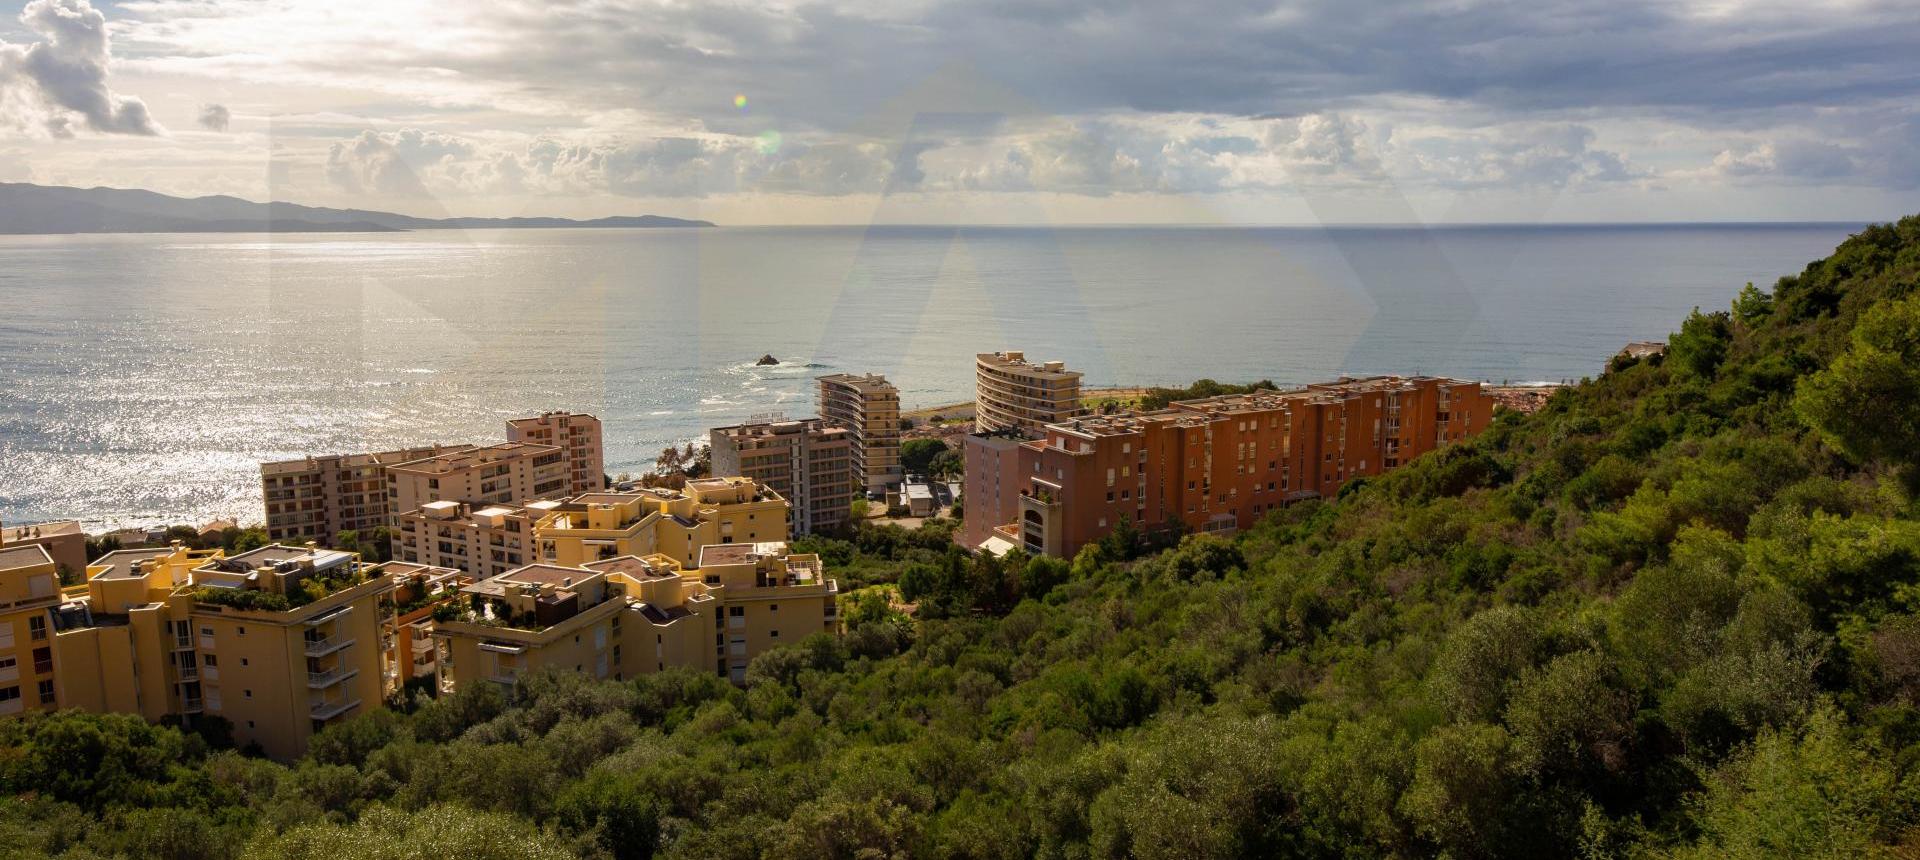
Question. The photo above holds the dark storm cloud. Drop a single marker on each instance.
(816, 64)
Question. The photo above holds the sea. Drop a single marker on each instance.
(143, 378)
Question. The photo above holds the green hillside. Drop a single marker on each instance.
(1675, 613)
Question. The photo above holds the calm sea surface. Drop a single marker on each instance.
(143, 378)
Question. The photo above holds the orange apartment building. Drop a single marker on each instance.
(579, 435)
(1213, 465)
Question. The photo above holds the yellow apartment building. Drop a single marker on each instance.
(29, 589)
(673, 523)
(579, 435)
(1012, 392)
(868, 406)
(65, 541)
(631, 615)
(483, 540)
(316, 498)
(280, 641)
(509, 473)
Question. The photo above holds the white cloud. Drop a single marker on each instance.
(61, 80)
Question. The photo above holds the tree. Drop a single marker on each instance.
(1866, 404)
(1697, 350)
(916, 455)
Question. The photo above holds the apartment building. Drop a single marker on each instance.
(578, 435)
(418, 591)
(657, 521)
(1216, 465)
(29, 589)
(65, 540)
(317, 498)
(991, 485)
(631, 615)
(279, 641)
(482, 540)
(868, 406)
(1013, 392)
(809, 462)
(508, 473)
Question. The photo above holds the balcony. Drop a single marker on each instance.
(323, 647)
(189, 673)
(323, 680)
(328, 709)
(193, 705)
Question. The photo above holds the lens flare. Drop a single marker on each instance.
(769, 142)
(740, 101)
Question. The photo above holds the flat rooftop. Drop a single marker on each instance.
(456, 461)
(125, 563)
(634, 566)
(16, 557)
(408, 568)
(871, 383)
(739, 553)
(532, 574)
(273, 555)
(1014, 361)
(30, 531)
(376, 458)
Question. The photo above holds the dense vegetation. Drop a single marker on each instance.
(1676, 613)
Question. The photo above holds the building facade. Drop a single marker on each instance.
(631, 615)
(869, 406)
(29, 590)
(578, 435)
(479, 540)
(992, 482)
(509, 473)
(279, 641)
(809, 462)
(656, 521)
(1214, 465)
(1010, 391)
(317, 498)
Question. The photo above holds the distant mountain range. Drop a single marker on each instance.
(28, 208)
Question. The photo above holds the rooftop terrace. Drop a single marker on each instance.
(16, 557)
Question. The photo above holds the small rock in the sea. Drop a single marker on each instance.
(767, 360)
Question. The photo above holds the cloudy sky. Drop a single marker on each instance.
(1062, 111)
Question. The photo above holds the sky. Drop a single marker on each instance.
(982, 111)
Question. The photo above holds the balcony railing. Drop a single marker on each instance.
(323, 647)
(328, 709)
(319, 680)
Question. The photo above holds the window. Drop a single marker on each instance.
(774, 635)
(42, 660)
(212, 660)
(8, 694)
(247, 693)
(46, 691)
(8, 662)
(37, 627)
(243, 662)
